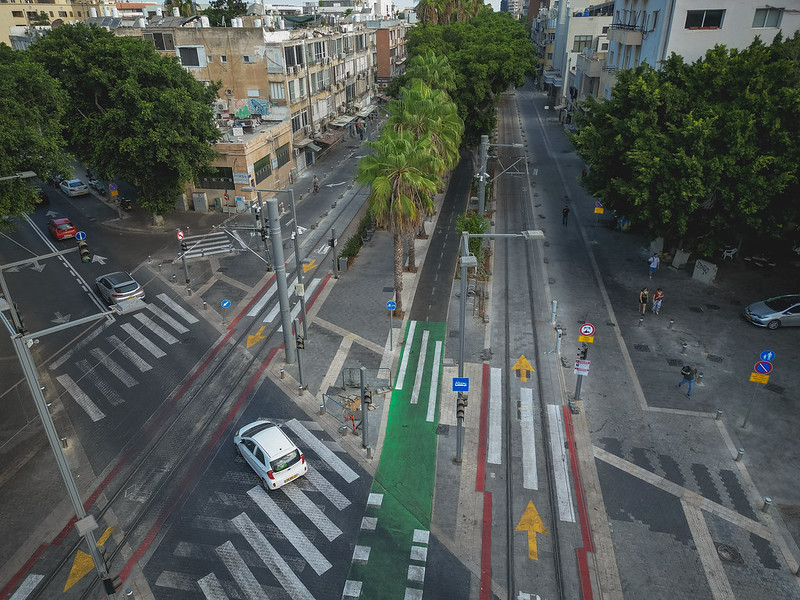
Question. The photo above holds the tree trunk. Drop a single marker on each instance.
(412, 253)
(398, 272)
(158, 220)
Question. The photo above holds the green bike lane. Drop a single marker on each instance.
(391, 552)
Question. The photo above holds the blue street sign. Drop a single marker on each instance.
(112, 187)
(598, 204)
(460, 384)
(225, 303)
(391, 305)
(763, 367)
(80, 236)
(767, 355)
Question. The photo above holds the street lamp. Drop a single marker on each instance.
(469, 261)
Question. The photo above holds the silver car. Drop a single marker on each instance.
(119, 286)
(774, 312)
(74, 187)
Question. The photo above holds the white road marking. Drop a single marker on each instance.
(297, 306)
(145, 343)
(187, 316)
(256, 308)
(274, 561)
(155, 328)
(325, 453)
(95, 414)
(530, 478)
(113, 367)
(77, 346)
(212, 588)
(241, 572)
(166, 318)
(555, 423)
(327, 488)
(420, 367)
(312, 511)
(292, 532)
(434, 391)
(26, 587)
(137, 360)
(401, 374)
(495, 433)
(108, 392)
(324, 249)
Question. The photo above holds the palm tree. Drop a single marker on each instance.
(402, 185)
(434, 69)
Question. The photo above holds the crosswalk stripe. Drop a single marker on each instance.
(145, 343)
(256, 308)
(166, 318)
(434, 391)
(78, 346)
(113, 367)
(275, 562)
(212, 588)
(495, 433)
(275, 309)
(187, 316)
(101, 384)
(137, 360)
(566, 511)
(312, 511)
(95, 414)
(325, 453)
(327, 489)
(26, 587)
(292, 532)
(240, 571)
(401, 374)
(423, 352)
(156, 328)
(530, 477)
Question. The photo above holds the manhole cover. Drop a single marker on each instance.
(696, 309)
(454, 333)
(728, 553)
(443, 430)
(712, 307)
(642, 347)
(715, 358)
(674, 362)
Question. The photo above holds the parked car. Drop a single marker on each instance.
(119, 286)
(74, 187)
(61, 229)
(270, 453)
(775, 312)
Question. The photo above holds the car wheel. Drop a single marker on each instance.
(773, 324)
(264, 484)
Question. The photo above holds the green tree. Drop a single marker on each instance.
(401, 191)
(32, 108)
(434, 69)
(224, 9)
(472, 222)
(136, 114)
(186, 8)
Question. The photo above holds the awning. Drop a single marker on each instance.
(365, 112)
(341, 121)
(559, 107)
(302, 143)
(314, 147)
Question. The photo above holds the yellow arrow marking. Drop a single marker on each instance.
(83, 563)
(532, 523)
(309, 265)
(523, 365)
(254, 339)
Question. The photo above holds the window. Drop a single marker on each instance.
(768, 17)
(248, 60)
(299, 120)
(301, 83)
(216, 178)
(263, 168)
(62, 13)
(549, 56)
(223, 58)
(704, 19)
(17, 13)
(292, 90)
(277, 91)
(580, 42)
(604, 46)
(189, 57)
(161, 41)
(253, 93)
(210, 58)
(605, 30)
(282, 155)
(260, 456)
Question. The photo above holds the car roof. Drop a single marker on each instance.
(271, 438)
(60, 221)
(71, 181)
(118, 277)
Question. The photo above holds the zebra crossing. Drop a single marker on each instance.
(271, 293)
(292, 538)
(119, 356)
(201, 246)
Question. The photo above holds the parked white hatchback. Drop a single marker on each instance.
(270, 453)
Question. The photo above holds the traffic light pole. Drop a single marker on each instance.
(280, 272)
(300, 344)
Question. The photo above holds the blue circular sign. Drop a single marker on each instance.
(767, 355)
(80, 236)
(391, 305)
(763, 367)
(225, 303)
(112, 187)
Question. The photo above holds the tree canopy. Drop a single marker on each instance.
(224, 9)
(135, 114)
(703, 154)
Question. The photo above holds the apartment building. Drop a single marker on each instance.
(20, 20)
(391, 55)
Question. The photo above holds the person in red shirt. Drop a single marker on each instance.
(658, 298)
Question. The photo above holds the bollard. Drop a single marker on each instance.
(699, 377)
(641, 321)
(189, 290)
(205, 305)
(671, 323)
(300, 388)
(767, 503)
(322, 408)
(174, 278)
(739, 454)
(553, 308)
(129, 593)
(159, 267)
(683, 347)
(64, 442)
(719, 415)
(149, 259)
(369, 451)
(283, 372)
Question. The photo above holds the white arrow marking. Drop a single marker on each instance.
(51, 214)
(37, 267)
(61, 318)
(335, 184)
(99, 259)
(301, 230)
(12, 270)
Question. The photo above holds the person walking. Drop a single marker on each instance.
(658, 298)
(654, 262)
(565, 215)
(315, 183)
(643, 297)
(689, 373)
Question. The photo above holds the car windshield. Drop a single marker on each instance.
(782, 302)
(64, 226)
(285, 461)
(129, 286)
(75, 183)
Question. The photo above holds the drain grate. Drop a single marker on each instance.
(729, 553)
(454, 333)
(443, 430)
(674, 362)
(642, 347)
(715, 358)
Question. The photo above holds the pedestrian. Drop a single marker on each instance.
(361, 134)
(689, 373)
(643, 296)
(565, 215)
(658, 298)
(654, 262)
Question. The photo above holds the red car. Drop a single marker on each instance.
(62, 229)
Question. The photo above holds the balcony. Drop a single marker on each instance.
(625, 35)
(591, 66)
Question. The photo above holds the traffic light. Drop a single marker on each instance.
(367, 395)
(83, 248)
(184, 247)
(461, 404)
(264, 233)
(301, 342)
(583, 352)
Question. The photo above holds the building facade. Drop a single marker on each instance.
(391, 55)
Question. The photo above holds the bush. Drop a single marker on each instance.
(354, 243)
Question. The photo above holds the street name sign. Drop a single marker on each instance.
(460, 384)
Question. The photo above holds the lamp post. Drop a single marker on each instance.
(469, 261)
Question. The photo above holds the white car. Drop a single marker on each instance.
(270, 453)
(74, 187)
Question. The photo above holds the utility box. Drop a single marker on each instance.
(704, 271)
(343, 263)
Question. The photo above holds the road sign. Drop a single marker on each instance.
(589, 339)
(763, 366)
(587, 329)
(180, 235)
(460, 384)
(225, 303)
(759, 378)
(391, 305)
(112, 187)
(581, 367)
(768, 355)
(598, 204)
(80, 236)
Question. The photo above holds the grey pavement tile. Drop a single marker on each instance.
(737, 494)
(705, 483)
(220, 291)
(671, 469)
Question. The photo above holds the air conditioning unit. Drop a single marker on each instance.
(328, 60)
(296, 69)
(296, 152)
(307, 129)
(221, 105)
(341, 56)
(229, 93)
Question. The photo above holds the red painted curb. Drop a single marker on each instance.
(486, 549)
(481, 469)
